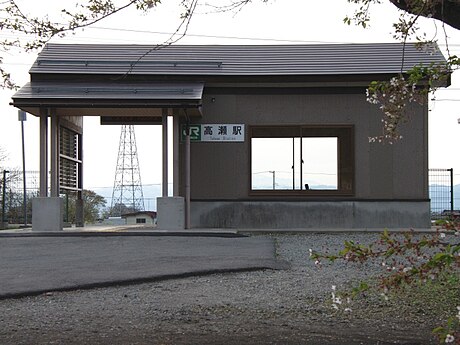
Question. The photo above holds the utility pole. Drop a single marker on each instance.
(3, 199)
(273, 173)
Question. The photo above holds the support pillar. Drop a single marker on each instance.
(170, 210)
(165, 151)
(47, 211)
(43, 153)
(54, 155)
(79, 205)
(176, 162)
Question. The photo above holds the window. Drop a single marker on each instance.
(140, 220)
(312, 160)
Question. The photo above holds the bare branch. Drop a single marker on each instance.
(445, 10)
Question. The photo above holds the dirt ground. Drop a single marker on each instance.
(291, 306)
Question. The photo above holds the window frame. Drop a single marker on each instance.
(345, 156)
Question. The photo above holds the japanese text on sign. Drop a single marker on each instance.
(216, 132)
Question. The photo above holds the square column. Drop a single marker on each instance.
(43, 152)
(47, 214)
(165, 152)
(54, 154)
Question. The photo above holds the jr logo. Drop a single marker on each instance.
(195, 132)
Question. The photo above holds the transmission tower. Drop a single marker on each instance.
(127, 195)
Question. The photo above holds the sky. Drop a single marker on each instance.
(274, 22)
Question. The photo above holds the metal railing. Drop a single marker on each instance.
(441, 190)
(14, 195)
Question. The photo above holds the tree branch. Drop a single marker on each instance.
(446, 11)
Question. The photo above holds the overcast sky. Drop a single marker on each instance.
(278, 22)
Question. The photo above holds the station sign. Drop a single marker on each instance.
(215, 132)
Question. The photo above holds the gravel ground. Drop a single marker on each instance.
(264, 307)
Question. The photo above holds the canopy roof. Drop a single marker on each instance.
(86, 98)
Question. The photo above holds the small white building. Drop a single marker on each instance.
(140, 218)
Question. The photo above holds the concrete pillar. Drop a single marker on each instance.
(170, 213)
(165, 151)
(54, 154)
(176, 162)
(47, 214)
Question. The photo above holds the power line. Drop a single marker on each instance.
(218, 36)
(110, 187)
(290, 172)
(267, 39)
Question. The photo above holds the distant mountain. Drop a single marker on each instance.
(439, 195)
(151, 192)
(457, 197)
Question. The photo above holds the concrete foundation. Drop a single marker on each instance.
(47, 214)
(311, 214)
(170, 213)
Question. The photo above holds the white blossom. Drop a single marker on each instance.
(449, 338)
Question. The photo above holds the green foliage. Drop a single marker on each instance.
(361, 16)
(92, 202)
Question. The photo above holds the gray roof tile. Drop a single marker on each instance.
(233, 60)
(116, 91)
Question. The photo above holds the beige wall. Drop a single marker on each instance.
(399, 171)
(131, 220)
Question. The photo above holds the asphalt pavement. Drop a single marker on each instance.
(32, 263)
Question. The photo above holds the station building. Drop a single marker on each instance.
(267, 137)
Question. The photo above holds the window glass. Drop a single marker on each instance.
(320, 168)
(306, 159)
(272, 163)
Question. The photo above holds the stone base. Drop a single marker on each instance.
(393, 214)
(47, 214)
(171, 213)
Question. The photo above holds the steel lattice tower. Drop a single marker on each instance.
(127, 195)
